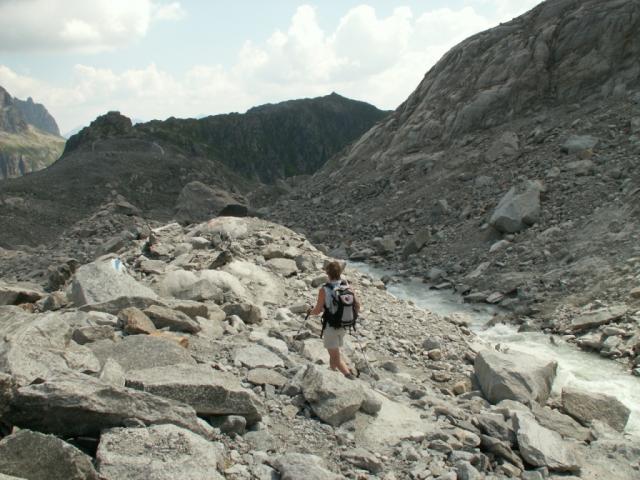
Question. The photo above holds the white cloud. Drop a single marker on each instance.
(379, 60)
(172, 11)
(87, 26)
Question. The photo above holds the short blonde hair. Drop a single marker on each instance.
(333, 270)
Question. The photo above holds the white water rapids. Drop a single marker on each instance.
(587, 371)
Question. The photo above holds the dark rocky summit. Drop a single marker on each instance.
(29, 136)
(510, 174)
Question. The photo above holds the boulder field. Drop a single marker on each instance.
(181, 365)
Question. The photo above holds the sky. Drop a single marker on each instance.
(160, 58)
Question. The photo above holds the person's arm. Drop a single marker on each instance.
(319, 308)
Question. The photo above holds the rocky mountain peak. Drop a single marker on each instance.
(111, 124)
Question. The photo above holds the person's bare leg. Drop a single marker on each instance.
(336, 362)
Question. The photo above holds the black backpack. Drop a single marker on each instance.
(340, 307)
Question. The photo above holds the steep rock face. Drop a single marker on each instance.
(37, 115)
(29, 137)
(498, 109)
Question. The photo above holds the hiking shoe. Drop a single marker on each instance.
(350, 376)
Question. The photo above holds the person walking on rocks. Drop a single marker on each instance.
(333, 337)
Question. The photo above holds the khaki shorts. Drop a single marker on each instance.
(333, 337)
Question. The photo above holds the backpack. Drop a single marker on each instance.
(339, 307)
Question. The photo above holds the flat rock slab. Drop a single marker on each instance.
(115, 305)
(138, 352)
(514, 376)
(566, 426)
(298, 466)
(588, 406)
(37, 456)
(208, 391)
(103, 281)
(256, 356)
(177, 321)
(594, 319)
(264, 376)
(541, 447)
(160, 452)
(333, 398)
(77, 405)
(393, 423)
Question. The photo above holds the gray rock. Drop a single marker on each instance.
(33, 345)
(514, 376)
(250, 314)
(361, 458)
(507, 145)
(595, 318)
(541, 447)
(208, 391)
(176, 321)
(160, 452)
(230, 424)
(116, 305)
(333, 398)
(518, 209)
(80, 405)
(494, 425)
(579, 143)
(280, 251)
(589, 406)
(501, 449)
(297, 466)
(15, 294)
(112, 374)
(137, 352)
(256, 356)
(283, 266)
(264, 376)
(93, 333)
(466, 471)
(416, 242)
(191, 308)
(37, 456)
(563, 424)
(104, 281)
(135, 321)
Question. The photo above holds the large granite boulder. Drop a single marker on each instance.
(138, 352)
(103, 281)
(518, 209)
(35, 345)
(37, 456)
(588, 406)
(208, 391)
(541, 447)
(514, 376)
(333, 398)
(74, 404)
(159, 452)
(205, 285)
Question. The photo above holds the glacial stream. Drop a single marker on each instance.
(587, 371)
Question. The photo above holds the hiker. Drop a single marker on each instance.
(333, 338)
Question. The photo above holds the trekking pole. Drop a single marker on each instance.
(304, 323)
(366, 360)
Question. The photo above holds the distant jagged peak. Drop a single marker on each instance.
(111, 124)
(17, 114)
